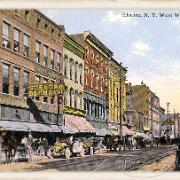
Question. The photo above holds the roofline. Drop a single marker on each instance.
(53, 22)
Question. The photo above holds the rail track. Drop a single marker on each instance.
(124, 161)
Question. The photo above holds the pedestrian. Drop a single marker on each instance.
(28, 146)
(40, 150)
(45, 145)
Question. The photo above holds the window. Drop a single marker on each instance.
(76, 66)
(5, 79)
(52, 100)
(75, 100)
(71, 69)
(102, 80)
(81, 100)
(117, 96)
(65, 65)
(38, 22)
(92, 57)
(45, 98)
(16, 82)
(58, 59)
(52, 58)
(65, 97)
(87, 53)
(16, 40)
(6, 35)
(37, 81)
(45, 27)
(38, 52)
(45, 54)
(26, 82)
(80, 76)
(26, 45)
(92, 79)
(71, 94)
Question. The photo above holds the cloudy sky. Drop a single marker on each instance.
(149, 47)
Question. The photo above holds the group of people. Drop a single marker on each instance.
(9, 146)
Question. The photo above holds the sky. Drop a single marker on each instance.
(148, 46)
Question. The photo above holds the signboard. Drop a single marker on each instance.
(46, 89)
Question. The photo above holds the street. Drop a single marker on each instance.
(130, 160)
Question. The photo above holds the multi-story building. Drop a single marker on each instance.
(31, 53)
(140, 103)
(74, 112)
(96, 60)
(154, 108)
(117, 96)
(147, 103)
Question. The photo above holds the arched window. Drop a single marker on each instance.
(97, 61)
(65, 65)
(87, 54)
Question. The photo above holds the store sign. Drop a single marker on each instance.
(46, 89)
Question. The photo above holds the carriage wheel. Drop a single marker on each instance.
(67, 153)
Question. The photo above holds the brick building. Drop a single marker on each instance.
(31, 52)
(96, 60)
(74, 112)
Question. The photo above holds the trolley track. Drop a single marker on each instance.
(125, 161)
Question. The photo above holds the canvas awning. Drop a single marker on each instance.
(102, 132)
(141, 135)
(39, 127)
(126, 131)
(12, 126)
(68, 129)
(78, 123)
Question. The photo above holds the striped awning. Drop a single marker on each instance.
(80, 124)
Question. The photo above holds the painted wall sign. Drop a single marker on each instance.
(46, 89)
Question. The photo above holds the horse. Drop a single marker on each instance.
(10, 147)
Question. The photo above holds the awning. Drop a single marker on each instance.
(39, 127)
(12, 126)
(102, 132)
(141, 135)
(79, 123)
(68, 129)
(126, 131)
(146, 128)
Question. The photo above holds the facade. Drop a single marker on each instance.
(140, 103)
(117, 96)
(31, 53)
(147, 104)
(154, 113)
(74, 77)
(96, 60)
(73, 69)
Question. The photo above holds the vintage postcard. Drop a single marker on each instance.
(90, 90)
